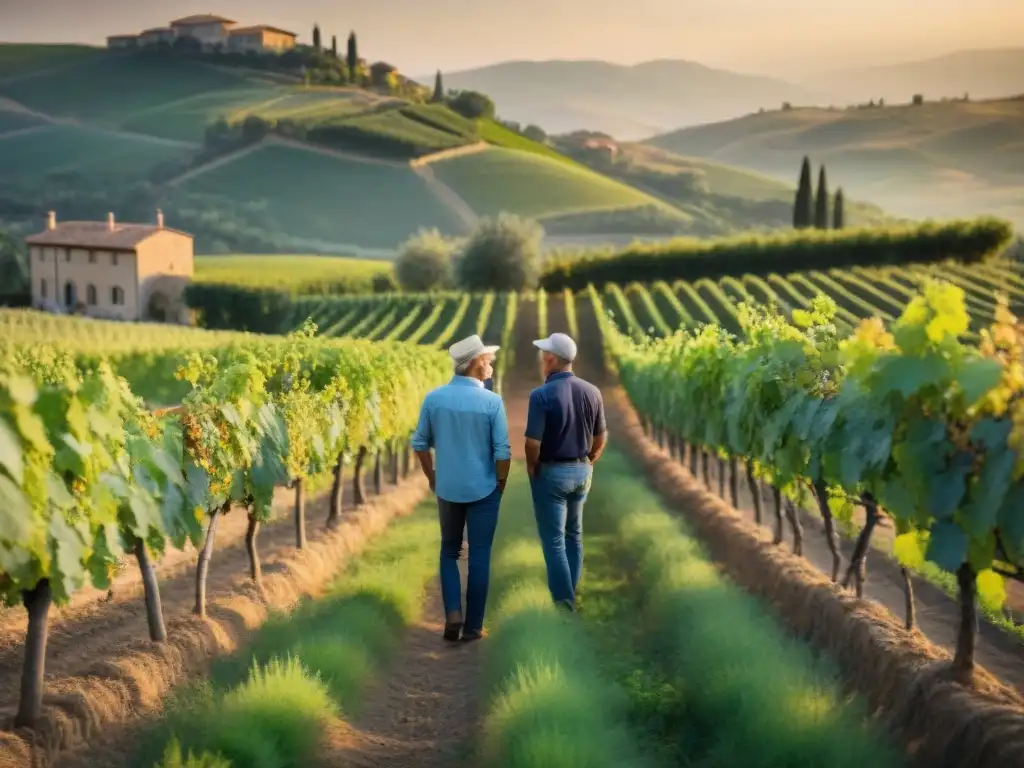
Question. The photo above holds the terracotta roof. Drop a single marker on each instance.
(260, 28)
(96, 234)
(383, 66)
(156, 31)
(121, 37)
(202, 18)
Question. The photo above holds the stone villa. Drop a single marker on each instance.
(212, 33)
(111, 270)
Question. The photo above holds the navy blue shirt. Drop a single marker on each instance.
(565, 414)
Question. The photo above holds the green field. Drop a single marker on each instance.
(292, 273)
(323, 199)
(22, 59)
(527, 184)
(82, 150)
(112, 88)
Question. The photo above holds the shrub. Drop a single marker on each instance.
(383, 282)
(503, 254)
(472, 104)
(425, 261)
(965, 241)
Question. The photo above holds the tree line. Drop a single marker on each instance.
(811, 208)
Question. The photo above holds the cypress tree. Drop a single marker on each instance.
(839, 213)
(334, 46)
(353, 56)
(316, 36)
(438, 88)
(802, 208)
(821, 202)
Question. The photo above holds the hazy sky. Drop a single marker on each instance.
(776, 36)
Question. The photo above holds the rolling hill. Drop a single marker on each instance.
(324, 169)
(625, 101)
(936, 159)
(984, 74)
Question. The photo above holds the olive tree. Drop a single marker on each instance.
(503, 254)
(425, 261)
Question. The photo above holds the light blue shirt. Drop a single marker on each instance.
(466, 426)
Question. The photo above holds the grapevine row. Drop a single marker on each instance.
(88, 475)
(910, 420)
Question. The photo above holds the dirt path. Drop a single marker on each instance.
(423, 714)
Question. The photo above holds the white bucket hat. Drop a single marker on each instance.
(464, 351)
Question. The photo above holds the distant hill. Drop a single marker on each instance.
(625, 101)
(289, 167)
(936, 159)
(984, 74)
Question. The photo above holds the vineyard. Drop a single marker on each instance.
(880, 398)
(659, 309)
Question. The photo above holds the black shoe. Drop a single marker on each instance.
(452, 631)
(471, 635)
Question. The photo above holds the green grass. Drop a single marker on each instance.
(266, 707)
(114, 88)
(739, 690)
(500, 136)
(303, 274)
(547, 703)
(327, 201)
(497, 180)
(86, 151)
(186, 119)
(23, 58)
(393, 124)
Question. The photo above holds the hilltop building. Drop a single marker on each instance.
(111, 270)
(212, 33)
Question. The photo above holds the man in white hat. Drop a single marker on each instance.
(466, 426)
(565, 434)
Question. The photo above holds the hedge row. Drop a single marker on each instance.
(965, 241)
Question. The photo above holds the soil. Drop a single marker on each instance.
(103, 672)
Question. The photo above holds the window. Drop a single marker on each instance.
(90, 294)
(42, 255)
(67, 254)
(92, 257)
(113, 259)
(117, 295)
(70, 294)
(42, 288)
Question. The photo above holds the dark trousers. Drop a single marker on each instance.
(479, 519)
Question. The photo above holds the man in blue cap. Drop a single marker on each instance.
(466, 426)
(566, 433)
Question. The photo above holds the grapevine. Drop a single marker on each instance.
(911, 420)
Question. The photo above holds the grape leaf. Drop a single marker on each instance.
(947, 546)
(11, 457)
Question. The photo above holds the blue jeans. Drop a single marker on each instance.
(559, 491)
(478, 519)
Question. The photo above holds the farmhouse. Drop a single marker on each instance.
(123, 42)
(111, 270)
(259, 39)
(209, 30)
(211, 33)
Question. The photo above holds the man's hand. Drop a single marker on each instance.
(432, 479)
(501, 484)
